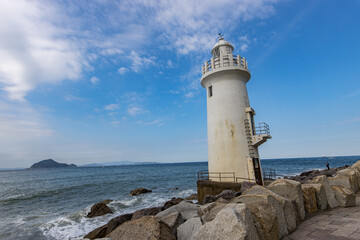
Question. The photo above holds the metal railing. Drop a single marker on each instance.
(226, 60)
(219, 176)
(269, 174)
(222, 177)
(262, 129)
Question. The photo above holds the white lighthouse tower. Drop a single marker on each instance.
(233, 138)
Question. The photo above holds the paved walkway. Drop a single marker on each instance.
(335, 224)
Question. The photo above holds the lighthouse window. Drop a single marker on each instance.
(210, 91)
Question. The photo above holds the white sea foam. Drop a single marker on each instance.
(77, 225)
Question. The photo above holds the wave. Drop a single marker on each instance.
(76, 225)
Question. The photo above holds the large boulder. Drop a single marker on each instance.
(346, 181)
(99, 232)
(99, 209)
(291, 190)
(287, 205)
(208, 212)
(356, 165)
(261, 201)
(225, 196)
(330, 195)
(143, 228)
(232, 223)
(146, 212)
(117, 221)
(138, 191)
(192, 197)
(172, 220)
(309, 194)
(187, 210)
(102, 231)
(246, 185)
(187, 230)
(171, 203)
(320, 195)
(354, 177)
(345, 196)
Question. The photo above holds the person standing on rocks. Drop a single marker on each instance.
(328, 165)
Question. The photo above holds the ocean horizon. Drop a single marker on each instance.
(53, 203)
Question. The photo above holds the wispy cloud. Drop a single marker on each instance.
(94, 80)
(112, 107)
(71, 98)
(122, 70)
(139, 62)
(46, 42)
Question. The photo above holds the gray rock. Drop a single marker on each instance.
(246, 185)
(227, 194)
(356, 165)
(172, 220)
(192, 197)
(146, 212)
(277, 205)
(288, 207)
(102, 231)
(347, 177)
(146, 227)
(209, 199)
(320, 194)
(187, 230)
(117, 221)
(209, 211)
(187, 210)
(330, 195)
(171, 203)
(138, 191)
(309, 194)
(345, 196)
(99, 209)
(232, 222)
(291, 190)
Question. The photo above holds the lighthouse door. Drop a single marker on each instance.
(257, 171)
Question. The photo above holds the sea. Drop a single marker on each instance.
(53, 203)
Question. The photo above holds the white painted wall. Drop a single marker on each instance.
(227, 142)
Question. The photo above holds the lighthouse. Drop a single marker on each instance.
(233, 136)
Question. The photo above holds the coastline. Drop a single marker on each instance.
(157, 213)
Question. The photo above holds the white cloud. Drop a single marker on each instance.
(72, 98)
(94, 80)
(134, 111)
(189, 95)
(50, 41)
(112, 107)
(111, 51)
(122, 70)
(174, 92)
(244, 47)
(34, 49)
(139, 62)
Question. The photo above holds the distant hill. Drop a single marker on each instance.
(49, 163)
(118, 163)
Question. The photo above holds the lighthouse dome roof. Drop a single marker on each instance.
(220, 43)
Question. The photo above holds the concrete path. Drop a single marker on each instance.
(335, 224)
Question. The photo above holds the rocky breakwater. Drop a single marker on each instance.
(265, 213)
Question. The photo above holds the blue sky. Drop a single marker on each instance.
(98, 81)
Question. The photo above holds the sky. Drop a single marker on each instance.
(99, 81)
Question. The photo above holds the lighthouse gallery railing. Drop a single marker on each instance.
(226, 60)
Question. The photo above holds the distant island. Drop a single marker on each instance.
(118, 163)
(50, 163)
